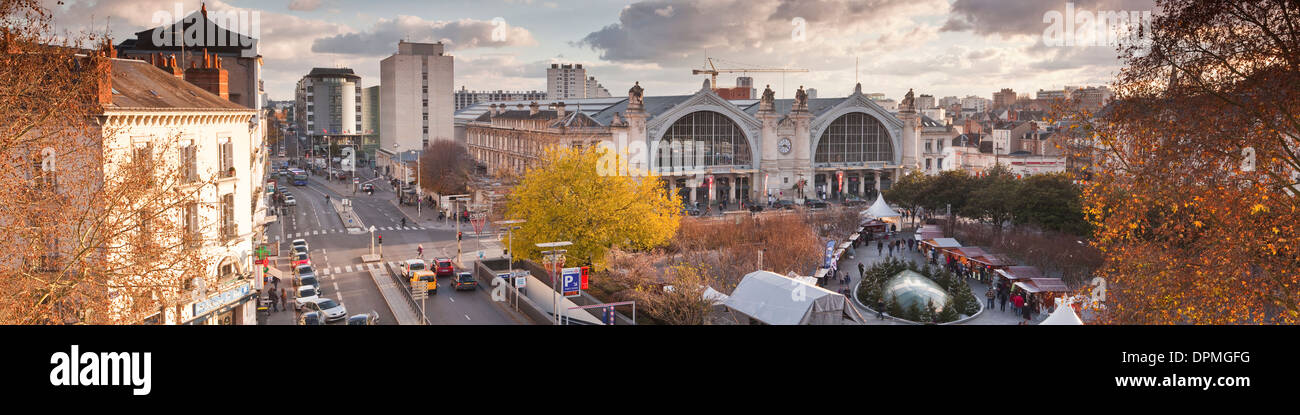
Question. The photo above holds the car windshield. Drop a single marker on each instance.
(306, 270)
(307, 292)
(466, 278)
(418, 266)
(302, 256)
(327, 304)
(444, 264)
(310, 318)
(309, 280)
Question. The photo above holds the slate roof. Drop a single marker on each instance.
(138, 85)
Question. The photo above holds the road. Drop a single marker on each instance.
(337, 254)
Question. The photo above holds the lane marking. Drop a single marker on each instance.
(467, 316)
(336, 270)
(348, 268)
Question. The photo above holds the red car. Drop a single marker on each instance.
(444, 268)
(301, 259)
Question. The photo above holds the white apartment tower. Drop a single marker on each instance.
(415, 96)
(565, 81)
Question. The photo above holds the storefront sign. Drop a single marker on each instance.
(225, 297)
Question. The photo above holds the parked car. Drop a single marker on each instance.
(299, 242)
(299, 249)
(368, 187)
(412, 265)
(444, 267)
(368, 319)
(301, 259)
(290, 201)
(311, 319)
(783, 204)
(755, 208)
(854, 201)
(464, 281)
(306, 294)
(815, 204)
(332, 310)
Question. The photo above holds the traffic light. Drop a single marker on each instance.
(458, 236)
(380, 238)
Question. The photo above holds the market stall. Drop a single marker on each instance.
(935, 248)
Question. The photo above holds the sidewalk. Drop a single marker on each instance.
(867, 256)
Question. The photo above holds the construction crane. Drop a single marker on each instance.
(713, 71)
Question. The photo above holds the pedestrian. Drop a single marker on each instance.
(271, 296)
(880, 248)
(880, 309)
(284, 298)
(891, 248)
(990, 294)
(1002, 299)
(1017, 303)
(275, 281)
(862, 270)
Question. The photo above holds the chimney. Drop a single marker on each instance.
(533, 108)
(492, 110)
(519, 107)
(210, 76)
(167, 64)
(559, 110)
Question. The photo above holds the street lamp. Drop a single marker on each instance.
(510, 258)
(554, 256)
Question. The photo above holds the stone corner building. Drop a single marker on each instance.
(710, 149)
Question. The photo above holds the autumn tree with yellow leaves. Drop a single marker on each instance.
(1192, 189)
(565, 197)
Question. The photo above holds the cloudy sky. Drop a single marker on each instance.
(939, 47)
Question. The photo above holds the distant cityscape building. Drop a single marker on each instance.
(328, 102)
(465, 98)
(595, 89)
(925, 102)
(415, 97)
(1004, 98)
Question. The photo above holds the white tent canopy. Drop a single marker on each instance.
(1063, 316)
(774, 299)
(880, 209)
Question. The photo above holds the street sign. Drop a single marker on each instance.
(571, 282)
(520, 281)
(419, 290)
(478, 219)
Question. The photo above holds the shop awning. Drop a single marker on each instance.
(845, 245)
(1020, 272)
(1050, 284)
(943, 243)
(970, 251)
(924, 235)
(1029, 288)
(994, 260)
(854, 237)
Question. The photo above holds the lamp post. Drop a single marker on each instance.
(510, 253)
(554, 256)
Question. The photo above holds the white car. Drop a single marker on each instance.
(290, 201)
(332, 310)
(306, 294)
(299, 242)
(412, 265)
(300, 249)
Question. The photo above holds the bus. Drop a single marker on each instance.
(299, 177)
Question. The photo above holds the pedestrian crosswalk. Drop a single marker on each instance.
(358, 268)
(320, 232)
